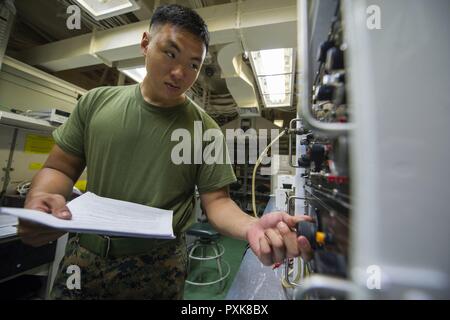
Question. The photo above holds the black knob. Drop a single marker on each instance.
(301, 131)
(317, 156)
(308, 230)
(340, 77)
(323, 49)
(304, 161)
(335, 60)
(324, 92)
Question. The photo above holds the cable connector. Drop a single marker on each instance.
(276, 265)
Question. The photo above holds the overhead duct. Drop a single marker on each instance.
(238, 75)
(107, 47)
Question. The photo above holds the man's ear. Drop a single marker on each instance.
(145, 43)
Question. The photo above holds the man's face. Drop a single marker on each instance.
(173, 58)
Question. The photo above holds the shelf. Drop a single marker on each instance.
(257, 178)
(257, 194)
(24, 122)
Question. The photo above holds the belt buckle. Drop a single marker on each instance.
(108, 246)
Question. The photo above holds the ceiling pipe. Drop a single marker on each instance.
(264, 24)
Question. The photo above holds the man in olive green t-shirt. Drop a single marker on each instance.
(124, 136)
(128, 143)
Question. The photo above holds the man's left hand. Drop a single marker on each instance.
(273, 239)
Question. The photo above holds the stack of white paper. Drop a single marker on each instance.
(94, 214)
(7, 226)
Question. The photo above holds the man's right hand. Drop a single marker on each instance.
(35, 234)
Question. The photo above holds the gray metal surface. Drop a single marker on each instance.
(399, 89)
(254, 281)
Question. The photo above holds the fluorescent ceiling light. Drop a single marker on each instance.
(277, 100)
(275, 74)
(137, 74)
(280, 84)
(279, 123)
(270, 62)
(102, 9)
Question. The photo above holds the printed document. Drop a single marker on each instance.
(99, 215)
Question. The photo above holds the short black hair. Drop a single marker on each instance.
(182, 17)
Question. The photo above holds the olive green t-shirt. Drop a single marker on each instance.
(128, 148)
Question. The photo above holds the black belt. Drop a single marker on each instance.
(105, 246)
